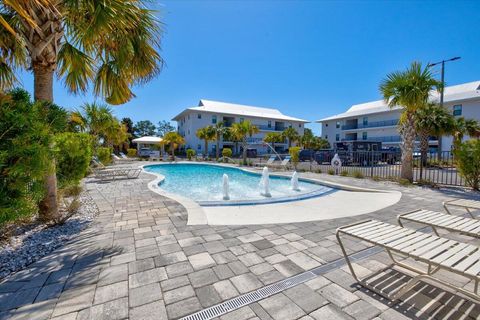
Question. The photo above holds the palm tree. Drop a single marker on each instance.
(113, 44)
(242, 130)
(220, 130)
(410, 90)
(273, 137)
(290, 134)
(431, 120)
(174, 139)
(206, 134)
(462, 126)
(94, 119)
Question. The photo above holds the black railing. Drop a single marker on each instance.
(385, 165)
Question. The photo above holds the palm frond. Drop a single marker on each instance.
(76, 66)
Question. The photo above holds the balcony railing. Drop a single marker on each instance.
(267, 128)
(376, 139)
(374, 124)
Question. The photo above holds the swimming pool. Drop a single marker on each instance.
(203, 184)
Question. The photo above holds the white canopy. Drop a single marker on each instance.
(148, 140)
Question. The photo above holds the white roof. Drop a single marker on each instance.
(238, 110)
(465, 91)
(147, 140)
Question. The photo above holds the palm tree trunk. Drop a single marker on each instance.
(244, 145)
(423, 152)
(206, 149)
(217, 150)
(43, 91)
(407, 131)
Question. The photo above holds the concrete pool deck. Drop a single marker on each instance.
(345, 201)
(339, 204)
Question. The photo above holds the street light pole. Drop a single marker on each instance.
(442, 74)
(441, 91)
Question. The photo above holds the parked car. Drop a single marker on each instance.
(306, 155)
(251, 153)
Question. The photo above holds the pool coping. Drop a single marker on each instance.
(196, 214)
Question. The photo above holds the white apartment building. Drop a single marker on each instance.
(212, 112)
(375, 121)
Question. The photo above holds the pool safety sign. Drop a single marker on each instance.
(336, 163)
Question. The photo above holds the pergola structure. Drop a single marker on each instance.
(147, 141)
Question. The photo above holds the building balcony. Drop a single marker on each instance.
(374, 124)
(264, 127)
(375, 139)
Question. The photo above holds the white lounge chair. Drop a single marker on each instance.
(438, 220)
(112, 174)
(463, 203)
(285, 161)
(438, 253)
(268, 163)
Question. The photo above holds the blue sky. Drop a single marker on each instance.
(309, 59)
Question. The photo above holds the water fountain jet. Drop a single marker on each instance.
(226, 187)
(265, 183)
(294, 181)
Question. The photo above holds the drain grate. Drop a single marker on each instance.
(270, 290)
(251, 297)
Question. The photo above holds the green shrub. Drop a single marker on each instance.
(295, 154)
(331, 172)
(468, 161)
(376, 178)
(71, 190)
(190, 154)
(24, 155)
(131, 152)
(318, 171)
(358, 174)
(227, 152)
(73, 152)
(104, 154)
(344, 173)
(404, 182)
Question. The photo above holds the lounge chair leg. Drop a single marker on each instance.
(399, 221)
(347, 259)
(435, 230)
(470, 213)
(445, 207)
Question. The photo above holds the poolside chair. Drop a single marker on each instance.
(438, 220)
(463, 203)
(112, 174)
(285, 162)
(268, 163)
(438, 253)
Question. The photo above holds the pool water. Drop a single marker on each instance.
(203, 183)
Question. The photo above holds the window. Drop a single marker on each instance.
(364, 135)
(326, 124)
(457, 110)
(214, 119)
(365, 121)
(199, 147)
(242, 119)
(337, 137)
(188, 131)
(269, 125)
(299, 125)
(326, 136)
(199, 116)
(337, 125)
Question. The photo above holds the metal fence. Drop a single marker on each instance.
(385, 165)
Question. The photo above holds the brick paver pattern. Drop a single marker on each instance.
(140, 260)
